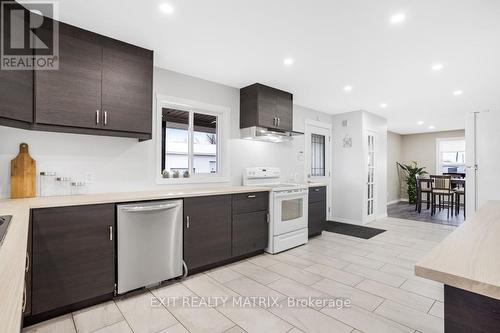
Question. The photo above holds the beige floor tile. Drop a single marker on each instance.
(204, 286)
(319, 258)
(424, 289)
(177, 328)
(392, 260)
(196, 319)
(336, 249)
(119, 327)
(363, 261)
(295, 330)
(96, 317)
(437, 310)
(406, 272)
(264, 260)
(143, 313)
(376, 275)
(358, 297)
(295, 273)
(223, 274)
(417, 302)
(292, 259)
(255, 319)
(309, 320)
(366, 321)
(235, 329)
(335, 274)
(412, 318)
(255, 272)
(294, 289)
(248, 287)
(62, 324)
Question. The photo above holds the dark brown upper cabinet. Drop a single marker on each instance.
(102, 85)
(16, 93)
(267, 107)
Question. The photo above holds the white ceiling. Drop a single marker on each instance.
(334, 43)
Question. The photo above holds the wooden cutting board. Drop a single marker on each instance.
(23, 174)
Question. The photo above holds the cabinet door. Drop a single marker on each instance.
(71, 95)
(73, 255)
(127, 88)
(250, 232)
(16, 91)
(284, 110)
(207, 230)
(268, 103)
(316, 217)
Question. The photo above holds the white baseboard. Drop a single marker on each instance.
(398, 200)
(382, 216)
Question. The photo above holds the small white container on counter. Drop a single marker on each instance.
(63, 185)
(78, 188)
(47, 183)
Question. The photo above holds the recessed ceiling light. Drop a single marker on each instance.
(432, 127)
(383, 105)
(348, 88)
(166, 8)
(398, 18)
(458, 92)
(437, 67)
(288, 61)
(420, 122)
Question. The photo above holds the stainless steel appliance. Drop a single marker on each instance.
(287, 208)
(149, 243)
(4, 225)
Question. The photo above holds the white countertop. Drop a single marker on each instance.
(13, 249)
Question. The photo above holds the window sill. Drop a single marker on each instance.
(194, 180)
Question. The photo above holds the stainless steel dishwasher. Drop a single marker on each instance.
(149, 239)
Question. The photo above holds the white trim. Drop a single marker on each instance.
(395, 201)
(382, 216)
(222, 131)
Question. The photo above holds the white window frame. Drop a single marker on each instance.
(191, 106)
(439, 165)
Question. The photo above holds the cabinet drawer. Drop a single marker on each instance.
(250, 202)
(317, 194)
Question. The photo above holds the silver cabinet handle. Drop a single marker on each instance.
(149, 208)
(278, 122)
(110, 232)
(316, 190)
(97, 117)
(24, 297)
(105, 118)
(27, 268)
(267, 217)
(187, 222)
(251, 196)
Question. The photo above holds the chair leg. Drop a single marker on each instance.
(428, 199)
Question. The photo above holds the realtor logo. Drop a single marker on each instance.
(29, 35)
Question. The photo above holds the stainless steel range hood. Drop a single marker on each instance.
(267, 135)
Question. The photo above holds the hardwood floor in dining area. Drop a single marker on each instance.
(403, 210)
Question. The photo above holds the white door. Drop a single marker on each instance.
(371, 186)
(318, 148)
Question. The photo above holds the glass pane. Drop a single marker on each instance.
(205, 144)
(317, 155)
(175, 124)
(291, 209)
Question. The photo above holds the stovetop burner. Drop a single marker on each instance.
(4, 225)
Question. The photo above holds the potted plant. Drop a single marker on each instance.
(410, 172)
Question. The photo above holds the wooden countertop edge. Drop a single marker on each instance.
(464, 283)
(13, 249)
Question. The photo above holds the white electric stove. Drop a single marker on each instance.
(288, 205)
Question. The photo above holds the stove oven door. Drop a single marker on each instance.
(290, 211)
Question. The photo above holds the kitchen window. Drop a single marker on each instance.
(192, 146)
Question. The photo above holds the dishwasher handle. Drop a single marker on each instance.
(149, 208)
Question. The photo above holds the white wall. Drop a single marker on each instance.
(120, 164)
(394, 154)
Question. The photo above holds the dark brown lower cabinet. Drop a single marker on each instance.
(207, 230)
(250, 232)
(73, 257)
(317, 210)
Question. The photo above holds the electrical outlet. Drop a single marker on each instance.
(89, 178)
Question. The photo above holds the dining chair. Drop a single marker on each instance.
(423, 187)
(441, 189)
(459, 192)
